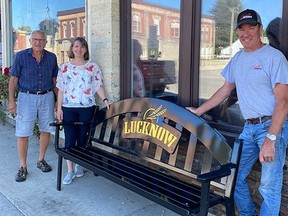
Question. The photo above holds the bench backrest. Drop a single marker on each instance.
(164, 137)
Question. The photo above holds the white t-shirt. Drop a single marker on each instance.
(255, 74)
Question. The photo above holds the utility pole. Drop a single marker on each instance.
(231, 31)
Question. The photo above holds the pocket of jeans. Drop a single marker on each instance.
(266, 125)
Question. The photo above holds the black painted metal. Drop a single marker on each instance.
(183, 179)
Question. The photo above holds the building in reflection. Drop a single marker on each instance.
(157, 28)
(71, 25)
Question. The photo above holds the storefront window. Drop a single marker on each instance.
(155, 27)
(61, 23)
(219, 43)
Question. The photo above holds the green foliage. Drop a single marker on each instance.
(225, 11)
(36, 131)
(4, 94)
(2, 113)
(4, 82)
(25, 28)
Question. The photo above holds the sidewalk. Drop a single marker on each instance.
(88, 195)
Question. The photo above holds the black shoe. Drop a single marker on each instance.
(21, 175)
(43, 166)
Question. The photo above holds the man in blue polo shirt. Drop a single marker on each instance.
(33, 74)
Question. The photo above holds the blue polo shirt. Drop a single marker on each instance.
(31, 75)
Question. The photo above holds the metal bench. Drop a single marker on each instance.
(160, 151)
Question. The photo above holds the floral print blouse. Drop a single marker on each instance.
(79, 84)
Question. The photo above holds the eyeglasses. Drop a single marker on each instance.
(38, 40)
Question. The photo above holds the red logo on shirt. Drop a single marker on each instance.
(90, 68)
(65, 69)
(256, 67)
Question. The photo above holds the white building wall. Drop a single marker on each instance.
(104, 41)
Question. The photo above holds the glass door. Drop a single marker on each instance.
(60, 22)
(219, 43)
(155, 27)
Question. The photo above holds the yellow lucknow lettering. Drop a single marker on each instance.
(126, 129)
(150, 129)
(170, 139)
(160, 133)
(139, 124)
(153, 130)
(145, 127)
(131, 127)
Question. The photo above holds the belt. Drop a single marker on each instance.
(37, 92)
(258, 120)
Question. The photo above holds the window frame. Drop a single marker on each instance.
(136, 22)
(189, 59)
(72, 28)
(175, 28)
(64, 27)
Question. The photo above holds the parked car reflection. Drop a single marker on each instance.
(157, 75)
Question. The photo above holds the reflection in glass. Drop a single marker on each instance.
(61, 23)
(219, 43)
(138, 79)
(157, 29)
(273, 32)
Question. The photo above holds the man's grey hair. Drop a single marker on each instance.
(38, 31)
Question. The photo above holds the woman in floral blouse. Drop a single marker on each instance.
(78, 80)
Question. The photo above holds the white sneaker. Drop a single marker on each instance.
(78, 170)
(68, 178)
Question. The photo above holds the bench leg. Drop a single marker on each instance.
(59, 173)
(230, 208)
(204, 203)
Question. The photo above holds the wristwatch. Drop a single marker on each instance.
(271, 137)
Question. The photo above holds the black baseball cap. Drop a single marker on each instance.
(248, 16)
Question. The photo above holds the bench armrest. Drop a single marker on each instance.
(224, 170)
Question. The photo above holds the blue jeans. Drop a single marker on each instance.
(77, 134)
(271, 172)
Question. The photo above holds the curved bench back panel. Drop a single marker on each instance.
(162, 136)
(167, 110)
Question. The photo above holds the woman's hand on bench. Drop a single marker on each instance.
(107, 103)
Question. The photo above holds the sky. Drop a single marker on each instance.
(267, 9)
(169, 3)
(24, 12)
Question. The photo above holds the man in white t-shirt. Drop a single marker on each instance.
(260, 75)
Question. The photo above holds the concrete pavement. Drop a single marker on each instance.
(88, 195)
